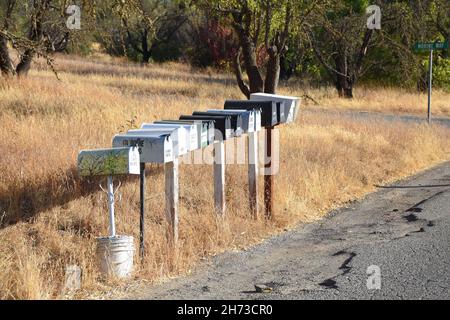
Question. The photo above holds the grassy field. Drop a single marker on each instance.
(50, 218)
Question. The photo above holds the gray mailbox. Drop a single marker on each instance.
(292, 104)
(179, 136)
(157, 148)
(191, 130)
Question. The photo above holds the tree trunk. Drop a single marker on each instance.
(25, 63)
(6, 65)
(256, 82)
(273, 71)
(146, 53)
(344, 83)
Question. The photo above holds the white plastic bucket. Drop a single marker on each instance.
(115, 255)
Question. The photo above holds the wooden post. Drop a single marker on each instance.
(172, 197)
(253, 173)
(268, 178)
(219, 177)
(142, 216)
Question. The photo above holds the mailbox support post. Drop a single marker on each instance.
(112, 225)
(142, 212)
(172, 197)
(253, 173)
(268, 177)
(430, 85)
(219, 177)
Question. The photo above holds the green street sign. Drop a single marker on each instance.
(428, 46)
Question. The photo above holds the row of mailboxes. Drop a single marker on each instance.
(290, 108)
(192, 140)
(163, 141)
(235, 119)
(205, 130)
(251, 119)
(222, 124)
(269, 112)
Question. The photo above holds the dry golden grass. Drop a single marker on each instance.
(50, 218)
(386, 100)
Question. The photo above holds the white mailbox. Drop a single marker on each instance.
(108, 162)
(191, 130)
(291, 104)
(202, 129)
(157, 148)
(178, 135)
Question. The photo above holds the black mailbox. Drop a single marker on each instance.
(222, 125)
(269, 110)
(236, 120)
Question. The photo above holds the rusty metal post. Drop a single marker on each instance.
(268, 177)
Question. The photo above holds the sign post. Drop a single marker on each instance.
(430, 83)
(430, 46)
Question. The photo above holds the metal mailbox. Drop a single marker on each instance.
(249, 118)
(153, 147)
(179, 136)
(236, 120)
(190, 129)
(108, 162)
(292, 104)
(204, 133)
(222, 125)
(269, 110)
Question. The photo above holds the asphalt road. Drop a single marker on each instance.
(402, 231)
(378, 116)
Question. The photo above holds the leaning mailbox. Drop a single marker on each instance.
(236, 120)
(222, 125)
(193, 143)
(249, 118)
(202, 130)
(292, 104)
(108, 162)
(156, 148)
(269, 110)
(179, 136)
